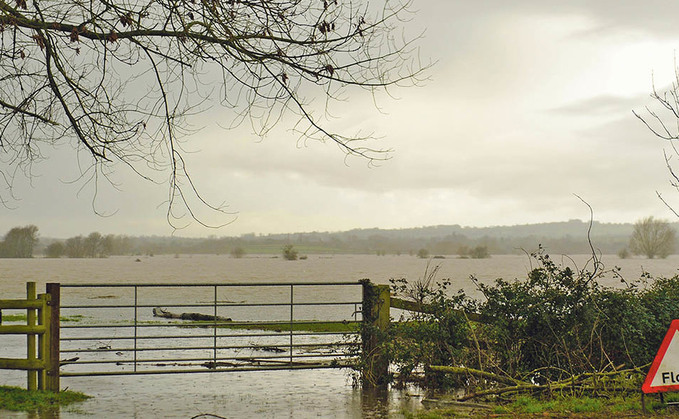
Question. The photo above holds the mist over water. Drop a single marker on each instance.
(14, 273)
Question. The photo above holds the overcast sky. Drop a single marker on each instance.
(530, 102)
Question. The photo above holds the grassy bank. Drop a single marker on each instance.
(23, 318)
(297, 326)
(281, 326)
(18, 399)
(318, 327)
(555, 407)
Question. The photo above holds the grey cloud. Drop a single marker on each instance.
(450, 25)
(488, 141)
(654, 17)
(602, 104)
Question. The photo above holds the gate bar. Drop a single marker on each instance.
(133, 357)
(207, 284)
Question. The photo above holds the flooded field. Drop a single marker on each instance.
(326, 393)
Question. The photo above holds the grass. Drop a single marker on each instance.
(558, 406)
(337, 327)
(18, 399)
(14, 317)
(571, 405)
(73, 318)
(23, 318)
(328, 327)
(298, 326)
(280, 326)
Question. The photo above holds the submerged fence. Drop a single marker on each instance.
(169, 328)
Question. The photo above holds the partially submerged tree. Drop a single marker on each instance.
(95, 245)
(652, 238)
(75, 247)
(289, 252)
(117, 79)
(19, 242)
(237, 252)
(55, 250)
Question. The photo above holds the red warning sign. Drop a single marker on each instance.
(664, 372)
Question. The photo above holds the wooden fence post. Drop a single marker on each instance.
(31, 353)
(43, 339)
(52, 341)
(376, 306)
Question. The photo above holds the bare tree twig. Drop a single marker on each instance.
(123, 78)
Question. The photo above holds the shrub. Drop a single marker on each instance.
(557, 323)
(423, 253)
(237, 252)
(435, 338)
(479, 252)
(55, 250)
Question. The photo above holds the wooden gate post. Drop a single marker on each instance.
(375, 326)
(52, 343)
(31, 353)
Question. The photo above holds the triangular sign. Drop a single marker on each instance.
(664, 372)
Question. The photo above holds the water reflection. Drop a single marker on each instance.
(375, 402)
(279, 394)
(44, 414)
(383, 402)
(53, 413)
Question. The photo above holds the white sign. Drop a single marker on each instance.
(664, 372)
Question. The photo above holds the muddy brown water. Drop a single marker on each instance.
(326, 393)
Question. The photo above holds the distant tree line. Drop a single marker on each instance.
(95, 245)
(565, 238)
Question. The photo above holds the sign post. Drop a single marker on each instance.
(664, 373)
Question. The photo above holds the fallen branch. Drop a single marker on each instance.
(68, 361)
(502, 390)
(275, 349)
(478, 373)
(587, 381)
(159, 312)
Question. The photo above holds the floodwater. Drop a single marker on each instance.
(326, 393)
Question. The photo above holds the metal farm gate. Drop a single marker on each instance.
(162, 328)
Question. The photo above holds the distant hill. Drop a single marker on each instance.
(552, 230)
(567, 237)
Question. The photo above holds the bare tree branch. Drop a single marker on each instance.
(121, 77)
(666, 126)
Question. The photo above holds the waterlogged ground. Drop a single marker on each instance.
(267, 394)
(264, 394)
